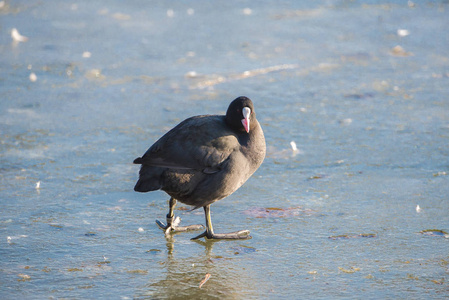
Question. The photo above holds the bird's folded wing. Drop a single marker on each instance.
(199, 143)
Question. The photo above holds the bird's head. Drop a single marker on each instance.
(241, 115)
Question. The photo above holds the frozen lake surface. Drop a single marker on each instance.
(360, 210)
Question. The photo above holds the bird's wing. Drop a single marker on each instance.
(199, 143)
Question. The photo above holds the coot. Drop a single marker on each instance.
(204, 159)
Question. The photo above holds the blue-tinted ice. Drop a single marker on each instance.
(360, 87)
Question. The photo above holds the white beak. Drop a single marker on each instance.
(245, 121)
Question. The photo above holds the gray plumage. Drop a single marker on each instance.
(204, 158)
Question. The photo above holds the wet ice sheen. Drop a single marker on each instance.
(336, 218)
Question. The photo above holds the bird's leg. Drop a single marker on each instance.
(173, 222)
(209, 233)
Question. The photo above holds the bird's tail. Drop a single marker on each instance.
(149, 179)
(138, 161)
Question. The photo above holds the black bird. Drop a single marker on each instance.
(204, 159)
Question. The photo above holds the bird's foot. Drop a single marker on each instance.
(238, 235)
(172, 226)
